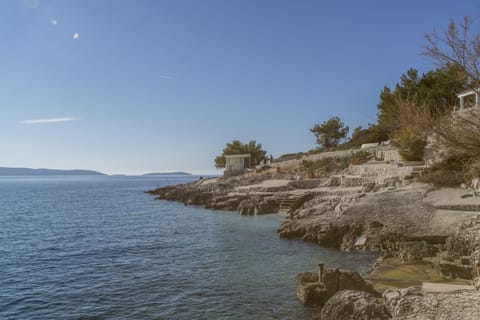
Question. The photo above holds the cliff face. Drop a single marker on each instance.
(358, 220)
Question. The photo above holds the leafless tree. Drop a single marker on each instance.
(459, 46)
(460, 133)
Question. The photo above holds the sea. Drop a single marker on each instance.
(99, 247)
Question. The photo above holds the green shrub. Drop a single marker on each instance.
(332, 165)
(361, 136)
(290, 156)
(447, 173)
(411, 146)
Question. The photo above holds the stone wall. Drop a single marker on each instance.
(386, 153)
(380, 171)
(315, 157)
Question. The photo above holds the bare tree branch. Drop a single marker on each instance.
(459, 46)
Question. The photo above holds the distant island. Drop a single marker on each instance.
(178, 173)
(5, 171)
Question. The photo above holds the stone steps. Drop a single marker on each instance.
(288, 202)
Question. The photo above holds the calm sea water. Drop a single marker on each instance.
(100, 248)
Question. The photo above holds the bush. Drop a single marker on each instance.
(442, 177)
(332, 165)
(447, 173)
(324, 166)
(459, 134)
(411, 146)
(414, 123)
(369, 135)
(290, 156)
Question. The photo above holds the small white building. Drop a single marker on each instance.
(468, 93)
(236, 162)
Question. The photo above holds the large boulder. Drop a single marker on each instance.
(268, 205)
(312, 292)
(353, 305)
(403, 301)
(337, 280)
(309, 291)
(248, 207)
(258, 205)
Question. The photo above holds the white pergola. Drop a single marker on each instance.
(461, 96)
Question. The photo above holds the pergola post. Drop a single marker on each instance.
(477, 99)
(461, 103)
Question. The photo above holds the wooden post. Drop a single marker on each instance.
(321, 265)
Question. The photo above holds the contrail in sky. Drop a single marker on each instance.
(47, 120)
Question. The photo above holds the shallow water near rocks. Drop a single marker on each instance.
(100, 248)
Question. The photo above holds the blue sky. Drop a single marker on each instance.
(138, 86)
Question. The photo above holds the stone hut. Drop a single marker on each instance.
(236, 164)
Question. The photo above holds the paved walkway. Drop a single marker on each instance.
(444, 287)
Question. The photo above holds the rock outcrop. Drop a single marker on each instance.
(374, 221)
(412, 303)
(312, 291)
(400, 304)
(353, 305)
(229, 194)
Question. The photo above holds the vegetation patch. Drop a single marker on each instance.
(332, 165)
(447, 173)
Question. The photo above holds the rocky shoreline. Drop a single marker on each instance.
(425, 235)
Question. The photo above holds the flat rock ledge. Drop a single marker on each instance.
(229, 194)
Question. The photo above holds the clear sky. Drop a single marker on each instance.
(132, 86)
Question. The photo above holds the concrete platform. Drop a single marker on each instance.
(444, 287)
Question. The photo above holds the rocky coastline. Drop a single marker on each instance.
(429, 238)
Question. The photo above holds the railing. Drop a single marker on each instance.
(231, 167)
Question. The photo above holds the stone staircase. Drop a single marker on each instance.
(287, 202)
(416, 171)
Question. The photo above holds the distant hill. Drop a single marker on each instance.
(178, 173)
(4, 171)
